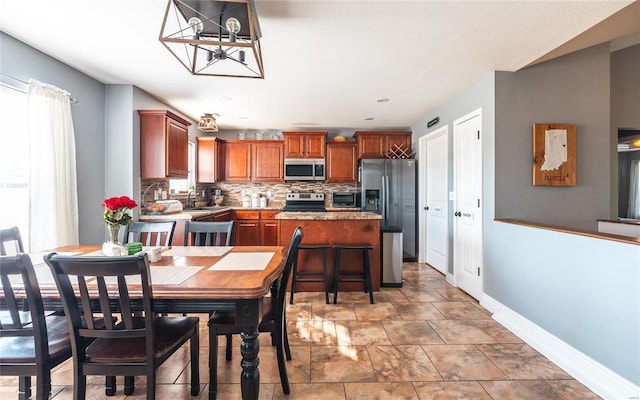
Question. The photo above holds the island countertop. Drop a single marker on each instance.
(328, 216)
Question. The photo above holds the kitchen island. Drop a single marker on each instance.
(332, 228)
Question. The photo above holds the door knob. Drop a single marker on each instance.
(427, 208)
(457, 214)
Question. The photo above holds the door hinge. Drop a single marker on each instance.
(478, 203)
(478, 271)
(478, 135)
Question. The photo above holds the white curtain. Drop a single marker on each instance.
(52, 168)
(634, 190)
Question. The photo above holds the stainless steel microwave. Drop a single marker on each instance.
(304, 169)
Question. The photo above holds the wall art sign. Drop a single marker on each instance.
(554, 155)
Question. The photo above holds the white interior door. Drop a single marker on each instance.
(435, 205)
(467, 235)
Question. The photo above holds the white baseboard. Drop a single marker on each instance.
(598, 378)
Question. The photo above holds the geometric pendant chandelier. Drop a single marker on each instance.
(214, 38)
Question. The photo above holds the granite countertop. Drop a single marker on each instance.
(199, 213)
(329, 216)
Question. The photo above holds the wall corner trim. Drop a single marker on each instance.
(598, 378)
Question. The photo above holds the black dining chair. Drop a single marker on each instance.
(150, 233)
(207, 233)
(273, 320)
(31, 344)
(10, 239)
(140, 341)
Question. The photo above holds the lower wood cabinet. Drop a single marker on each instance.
(256, 228)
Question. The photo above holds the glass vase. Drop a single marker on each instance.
(114, 233)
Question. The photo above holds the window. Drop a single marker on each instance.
(14, 162)
(185, 185)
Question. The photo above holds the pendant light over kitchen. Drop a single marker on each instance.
(208, 123)
(214, 38)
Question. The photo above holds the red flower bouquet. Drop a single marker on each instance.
(115, 210)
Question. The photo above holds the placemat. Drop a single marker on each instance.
(243, 262)
(202, 251)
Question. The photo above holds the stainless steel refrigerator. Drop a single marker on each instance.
(389, 188)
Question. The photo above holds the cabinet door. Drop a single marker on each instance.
(237, 161)
(246, 232)
(223, 216)
(268, 162)
(206, 160)
(342, 162)
(370, 146)
(294, 145)
(164, 142)
(315, 146)
(177, 150)
(269, 232)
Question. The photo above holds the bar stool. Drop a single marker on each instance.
(364, 276)
(323, 277)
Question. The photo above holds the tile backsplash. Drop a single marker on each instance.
(232, 192)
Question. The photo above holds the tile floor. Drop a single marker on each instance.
(426, 340)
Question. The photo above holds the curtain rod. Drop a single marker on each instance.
(72, 99)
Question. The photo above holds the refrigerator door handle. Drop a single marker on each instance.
(383, 202)
(386, 199)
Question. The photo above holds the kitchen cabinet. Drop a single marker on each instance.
(208, 158)
(252, 161)
(378, 144)
(246, 228)
(269, 228)
(268, 161)
(164, 141)
(342, 162)
(237, 160)
(304, 144)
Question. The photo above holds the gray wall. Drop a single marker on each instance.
(625, 113)
(585, 291)
(573, 89)
(23, 62)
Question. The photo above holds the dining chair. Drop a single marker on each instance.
(150, 233)
(10, 236)
(273, 321)
(207, 233)
(135, 345)
(31, 344)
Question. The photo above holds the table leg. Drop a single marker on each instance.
(250, 379)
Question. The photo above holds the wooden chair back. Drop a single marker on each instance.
(150, 233)
(25, 350)
(10, 241)
(208, 233)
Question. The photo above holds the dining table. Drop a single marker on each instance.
(201, 279)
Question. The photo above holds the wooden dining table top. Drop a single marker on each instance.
(241, 277)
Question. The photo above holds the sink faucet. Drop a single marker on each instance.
(188, 205)
(144, 194)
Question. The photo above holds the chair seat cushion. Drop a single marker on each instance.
(169, 333)
(228, 318)
(21, 349)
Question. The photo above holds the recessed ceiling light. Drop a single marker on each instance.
(369, 119)
(225, 98)
(383, 100)
(244, 117)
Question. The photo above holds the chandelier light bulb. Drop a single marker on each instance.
(233, 26)
(197, 26)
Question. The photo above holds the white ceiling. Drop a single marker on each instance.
(326, 62)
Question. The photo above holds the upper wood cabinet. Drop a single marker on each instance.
(378, 144)
(268, 161)
(304, 144)
(342, 162)
(252, 161)
(237, 160)
(164, 142)
(208, 157)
